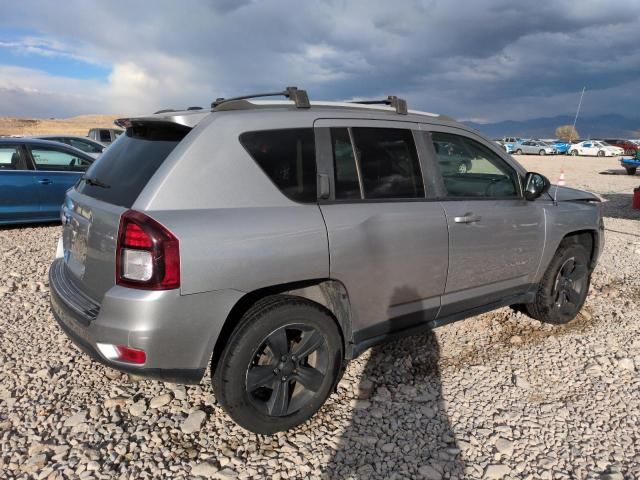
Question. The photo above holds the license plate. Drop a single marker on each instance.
(75, 246)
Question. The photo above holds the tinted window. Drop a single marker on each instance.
(388, 163)
(84, 145)
(105, 136)
(344, 164)
(10, 158)
(470, 169)
(288, 157)
(128, 164)
(53, 160)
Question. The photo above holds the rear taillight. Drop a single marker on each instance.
(147, 255)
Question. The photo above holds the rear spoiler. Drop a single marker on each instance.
(185, 118)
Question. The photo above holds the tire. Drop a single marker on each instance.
(519, 151)
(542, 152)
(266, 394)
(630, 170)
(462, 168)
(601, 153)
(573, 153)
(564, 286)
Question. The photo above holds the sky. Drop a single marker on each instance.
(482, 60)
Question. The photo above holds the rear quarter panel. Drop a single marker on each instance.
(236, 229)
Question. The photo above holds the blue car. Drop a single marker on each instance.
(561, 146)
(34, 176)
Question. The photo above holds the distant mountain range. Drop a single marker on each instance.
(600, 126)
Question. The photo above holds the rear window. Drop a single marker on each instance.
(288, 157)
(128, 164)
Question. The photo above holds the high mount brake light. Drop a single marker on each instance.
(147, 254)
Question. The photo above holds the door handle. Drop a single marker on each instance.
(45, 181)
(467, 218)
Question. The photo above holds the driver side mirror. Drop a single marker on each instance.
(535, 185)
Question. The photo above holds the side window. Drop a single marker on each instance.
(84, 146)
(10, 158)
(470, 169)
(288, 157)
(56, 160)
(346, 173)
(105, 136)
(388, 163)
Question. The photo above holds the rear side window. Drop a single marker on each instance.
(288, 158)
(52, 160)
(10, 158)
(105, 136)
(388, 163)
(84, 146)
(128, 164)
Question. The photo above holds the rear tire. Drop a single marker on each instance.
(573, 153)
(279, 365)
(542, 152)
(564, 286)
(630, 170)
(519, 152)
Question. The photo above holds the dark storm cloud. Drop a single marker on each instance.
(490, 59)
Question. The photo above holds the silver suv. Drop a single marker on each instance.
(276, 240)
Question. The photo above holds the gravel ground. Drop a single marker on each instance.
(494, 396)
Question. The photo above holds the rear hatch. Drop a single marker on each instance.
(92, 209)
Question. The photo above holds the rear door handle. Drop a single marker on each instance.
(45, 181)
(467, 218)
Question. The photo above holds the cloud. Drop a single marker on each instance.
(492, 59)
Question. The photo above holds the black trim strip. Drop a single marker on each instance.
(407, 328)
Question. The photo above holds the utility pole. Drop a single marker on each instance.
(578, 111)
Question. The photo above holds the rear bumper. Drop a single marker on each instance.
(176, 332)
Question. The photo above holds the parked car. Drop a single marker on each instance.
(105, 136)
(90, 147)
(631, 164)
(628, 147)
(510, 143)
(34, 176)
(595, 147)
(535, 147)
(505, 146)
(561, 146)
(312, 232)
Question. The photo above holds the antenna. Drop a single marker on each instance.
(578, 110)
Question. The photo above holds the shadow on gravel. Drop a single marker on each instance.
(400, 428)
(618, 205)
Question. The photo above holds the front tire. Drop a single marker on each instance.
(564, 286)
(519, 151)
(542, 152)
(601, 153)
(573, 153)
(279, 365)
(630, 170)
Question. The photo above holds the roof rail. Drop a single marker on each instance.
(165, 110)
(299, 97)
(398, 103)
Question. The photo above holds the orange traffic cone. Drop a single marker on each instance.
(561, 179)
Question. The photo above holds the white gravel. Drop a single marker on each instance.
(494, 396)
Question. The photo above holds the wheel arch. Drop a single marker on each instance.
(586, 238)
(331, 295)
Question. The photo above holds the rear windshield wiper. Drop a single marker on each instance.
(94, 181)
